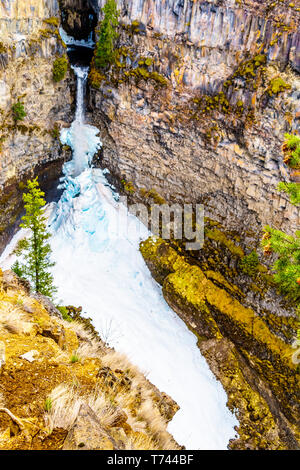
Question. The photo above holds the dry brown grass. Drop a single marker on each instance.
(65, 406)
(66, 401)
(116, 360)
(144, 418)
(141, 442)
(148, 432)
(12, 319)
(89, 346)
(122, 399)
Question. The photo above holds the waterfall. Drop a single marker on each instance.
(101, 269)
(81, 137)
(81, 74)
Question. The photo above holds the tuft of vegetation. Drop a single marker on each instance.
(53, 21)
(249, 264)
(96, 78)
(128, 186)
(287, 247)
(248, 69)
(65, 313)
(34, 250)
(74, 358)
(277, 85)
(48, 404)
(293, 190)
(18, 111)
(60, 68)
(154, 195)
(291, 150)
(105, 47)
(55, 131)
(3, 49)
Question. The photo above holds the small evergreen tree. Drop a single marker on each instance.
(35, 250)
(287, 265)
(18, 111)
(293, 190)
(104, 53)
(287, 247)
(291, 150)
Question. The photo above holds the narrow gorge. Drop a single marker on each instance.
(193, 109)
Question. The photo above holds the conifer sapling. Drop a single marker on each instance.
(35, 251)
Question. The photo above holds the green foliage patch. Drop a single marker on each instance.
(291, 150)
(34, 252)
(60, 68)
(249, 264)
(18, 111)
(105, 47)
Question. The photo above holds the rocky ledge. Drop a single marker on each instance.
(61, 387)
(252, 362)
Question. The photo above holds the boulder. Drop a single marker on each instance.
(87, 433)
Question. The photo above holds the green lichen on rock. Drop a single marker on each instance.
(248, 69)
(96, 78)
(128, 186)
(277, 85)
(221, 238)
(152, 196)
(216, 312)
(129, 65)
(53, 21)
(257, 427)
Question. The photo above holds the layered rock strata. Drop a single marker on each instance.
(29, 45)
(197, 104)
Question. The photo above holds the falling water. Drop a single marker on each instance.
(81, 137)
(101, 269)
(82, 74)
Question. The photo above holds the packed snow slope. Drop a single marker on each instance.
(95, 243)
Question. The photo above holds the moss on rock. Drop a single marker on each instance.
(60, 68)
(215, 312)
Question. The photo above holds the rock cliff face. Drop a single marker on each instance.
(79, 17)
(249, 353)
(198, 103)
(195, 109)
(29, 45)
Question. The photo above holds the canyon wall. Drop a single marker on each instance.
(79, 17)
(29, 45)
(198, 102)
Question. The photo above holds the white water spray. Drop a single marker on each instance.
(81, 137)
(82, 74)
(106, 274)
